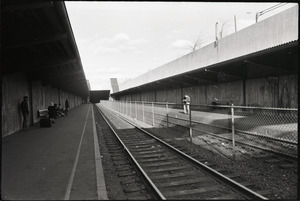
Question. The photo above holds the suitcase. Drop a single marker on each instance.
(45, 122)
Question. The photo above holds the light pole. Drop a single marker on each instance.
(235, 23)
(268, 10)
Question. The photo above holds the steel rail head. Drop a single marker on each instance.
(157, 191)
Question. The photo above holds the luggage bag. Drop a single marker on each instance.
(45, 122)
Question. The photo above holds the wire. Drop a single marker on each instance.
(271, 8)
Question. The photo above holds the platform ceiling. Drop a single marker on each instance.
(37, 39)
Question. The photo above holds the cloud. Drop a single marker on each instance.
(175, 32)
(138, 42)
(181, 44)
(121, 37)
(116, 44)
(95, 69)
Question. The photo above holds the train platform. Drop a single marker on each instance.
(62, 162)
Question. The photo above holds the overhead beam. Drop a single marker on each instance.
(66, 82)
(199, 80)
(268, 67)
(39, 65)
(167, 84)
(34, 41)
(28, 6)
(56, 75)
(222, 72)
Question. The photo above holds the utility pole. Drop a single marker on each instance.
(216, 28)
(235, 23)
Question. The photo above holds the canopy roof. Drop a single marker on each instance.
(37, 39)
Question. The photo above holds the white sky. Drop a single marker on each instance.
(126, 39)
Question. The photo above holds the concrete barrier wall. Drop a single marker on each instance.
(276, 30)
(288, 91)
(281, 91)
(273, 91)
(148, 96)
(230, 91)
(171, 95)
(38, 99)
(15, 87)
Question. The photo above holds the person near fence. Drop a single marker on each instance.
(25, 112)
(52, 112)
(186, 104)
(67, 107)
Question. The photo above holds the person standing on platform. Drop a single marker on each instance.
(188, 102)
(67, 107)
(184, 104)
(52, 112)
(25, 112)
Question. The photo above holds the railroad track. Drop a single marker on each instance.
(123, 180)
(175, 175)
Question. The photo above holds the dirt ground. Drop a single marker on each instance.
(282, 183)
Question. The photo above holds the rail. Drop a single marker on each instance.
(226, 179)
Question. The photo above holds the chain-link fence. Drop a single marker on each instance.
(274, 129)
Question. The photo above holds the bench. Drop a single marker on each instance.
(43, 113)
(220, 102)
(44, 118)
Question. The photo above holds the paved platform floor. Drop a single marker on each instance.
(58, 163)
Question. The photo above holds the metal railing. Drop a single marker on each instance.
(274, 129)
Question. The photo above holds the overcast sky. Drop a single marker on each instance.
(126, 39)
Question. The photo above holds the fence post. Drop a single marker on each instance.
(191, 131)
(167, 114)
(152, 114)
(130, 112)
(135, 110)
(124, 107)
(122, 110)
(143, 111)
(232, 128)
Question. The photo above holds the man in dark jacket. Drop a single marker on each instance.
(25, 112)
(67, 107)
(52, 112)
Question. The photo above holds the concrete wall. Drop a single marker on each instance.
(281, 91)
(276, 30)
(288, 91)
(15, 86)
(171, 95)
(273, 91)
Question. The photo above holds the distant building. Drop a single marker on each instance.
(89, 86)
(114, 85)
